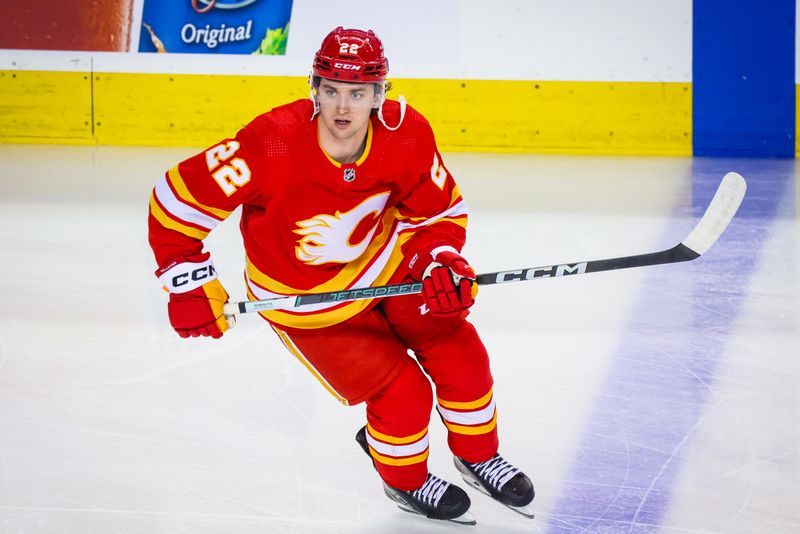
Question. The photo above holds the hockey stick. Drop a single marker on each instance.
(719, 213)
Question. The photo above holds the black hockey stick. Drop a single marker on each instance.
(719, 213)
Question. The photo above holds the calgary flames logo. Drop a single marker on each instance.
(341, 237)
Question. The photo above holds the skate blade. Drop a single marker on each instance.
(526, 510)
(464, 519)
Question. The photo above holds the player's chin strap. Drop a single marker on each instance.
(312, 95)
(402, 100)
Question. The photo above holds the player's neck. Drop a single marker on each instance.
(343, 150)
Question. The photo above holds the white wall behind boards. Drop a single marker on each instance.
(599, 40)
(616, 40)
(592, 40)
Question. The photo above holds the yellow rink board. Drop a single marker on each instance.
(470, 115)
(45, 107)
(571, 117)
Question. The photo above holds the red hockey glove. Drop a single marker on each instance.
(196, 297)
(447, 281)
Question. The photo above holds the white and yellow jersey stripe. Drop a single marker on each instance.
(176, 208)
(469, 418)
(398, 450)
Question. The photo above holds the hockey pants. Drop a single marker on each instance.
(366, 359)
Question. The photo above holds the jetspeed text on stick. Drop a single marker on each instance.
(373, 292)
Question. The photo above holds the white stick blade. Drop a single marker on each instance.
(719, 213)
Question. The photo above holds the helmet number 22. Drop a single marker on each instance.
(345, 48)
(228, 174)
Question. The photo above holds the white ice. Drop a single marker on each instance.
(660, 399)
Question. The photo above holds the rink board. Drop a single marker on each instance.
(467, 115)
(45, 107)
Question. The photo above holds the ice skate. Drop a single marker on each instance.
(435, 499)
(501, 481)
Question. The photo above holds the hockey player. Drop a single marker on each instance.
(348, 190)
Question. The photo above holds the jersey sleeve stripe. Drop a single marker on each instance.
(178, 209)
(218, 216)
(179, 185)
(460, 221)
(456, 213)
(168, 222)
(177, 219)
(455, 196)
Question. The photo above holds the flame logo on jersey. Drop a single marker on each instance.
(341, 237)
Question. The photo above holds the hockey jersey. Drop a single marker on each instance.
(309, 223)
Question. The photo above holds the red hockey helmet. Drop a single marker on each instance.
(351, 56)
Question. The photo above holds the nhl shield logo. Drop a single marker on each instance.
(349, 175)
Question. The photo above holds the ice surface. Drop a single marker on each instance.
(662, 399)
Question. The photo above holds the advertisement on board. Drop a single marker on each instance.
(215, 26)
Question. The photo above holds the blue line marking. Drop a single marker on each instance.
(654, 396)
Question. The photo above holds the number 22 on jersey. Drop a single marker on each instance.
(229, 175)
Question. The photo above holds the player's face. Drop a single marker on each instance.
(344, 108)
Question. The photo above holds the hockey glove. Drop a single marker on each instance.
(196, 297)
(447, 281)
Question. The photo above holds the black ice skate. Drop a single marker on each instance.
(501, 481)
(435, 499)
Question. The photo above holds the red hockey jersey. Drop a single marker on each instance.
(309, 223)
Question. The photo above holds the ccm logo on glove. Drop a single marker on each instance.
(196, 297)
(191, 273)
(195, 276)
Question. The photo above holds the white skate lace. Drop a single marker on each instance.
(495, 471)
(431, 491)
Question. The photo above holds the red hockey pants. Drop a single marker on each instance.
(366, 359)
